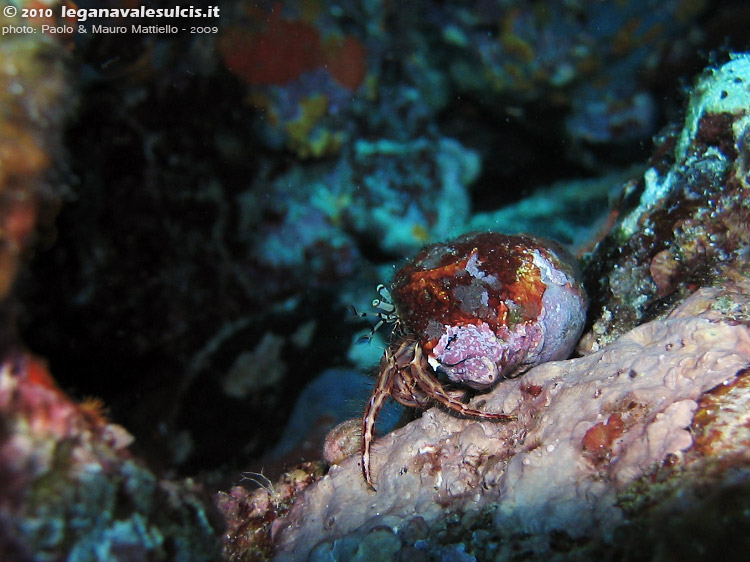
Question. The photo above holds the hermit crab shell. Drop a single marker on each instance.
(489, 305)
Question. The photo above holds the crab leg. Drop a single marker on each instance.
(406, 392)
(380, 394)
(435, 390)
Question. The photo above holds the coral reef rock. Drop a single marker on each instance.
(686, 220)
(34, 101)
(592, 437)
(70, 489)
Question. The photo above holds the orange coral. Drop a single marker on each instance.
(346, 62)
(285, 49)
(599, 438)
(280, 54)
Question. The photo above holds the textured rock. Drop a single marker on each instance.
(684, 223)
(71, 489)
(587, 429)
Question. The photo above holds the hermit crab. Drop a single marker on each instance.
(468, 313)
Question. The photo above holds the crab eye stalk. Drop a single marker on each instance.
(383, 291)
(383, 305)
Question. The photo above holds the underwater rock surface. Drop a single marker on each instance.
(71, 489)
(589, 431)
(685, 221)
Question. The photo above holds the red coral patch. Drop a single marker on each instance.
(599, 438)
(278, 55)
(282, 50)
(346, 62)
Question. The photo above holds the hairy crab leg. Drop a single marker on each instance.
(406, 392)
(380, 394)
(435, 390)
